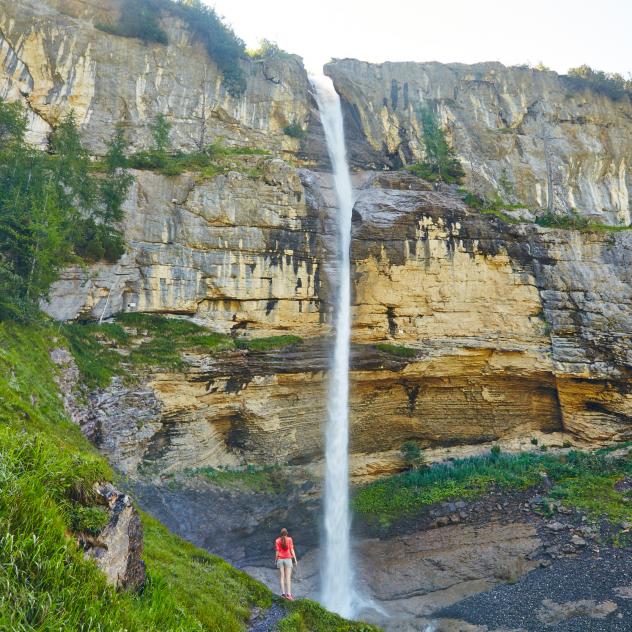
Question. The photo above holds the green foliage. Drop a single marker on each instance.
(441, 164)
(160, 132)
(295, 130)
(612, 85)
(396, 350)
(412, 456)
(308, 616)
(495, 451)
(53, 211)
(267, 479)
(47, 472)
(90, 520)
(213, 161)
(575, 221)
(269, 343)
(140, 19)
(220, 41)
(576, 475)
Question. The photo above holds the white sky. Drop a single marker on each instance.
(560, 33)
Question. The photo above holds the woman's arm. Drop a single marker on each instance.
(294, 556)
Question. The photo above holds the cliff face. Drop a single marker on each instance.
(54, 59)
(523, 133)
(509, 330)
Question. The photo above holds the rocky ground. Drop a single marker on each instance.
(505, 561)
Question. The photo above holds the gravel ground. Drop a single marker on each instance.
(267, 620)
(524, 605)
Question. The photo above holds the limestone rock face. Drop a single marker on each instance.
(508, 331)
(53, 59)
(234, 251)
(526, 134)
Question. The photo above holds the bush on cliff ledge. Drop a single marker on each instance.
(441, 164)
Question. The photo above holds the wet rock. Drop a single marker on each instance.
(577, 541)
(556, 526)
(552, 613)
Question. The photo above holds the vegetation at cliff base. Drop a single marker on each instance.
(47, 469)
(308, 616)
(441, 164)
(141, 19)
(53, 210)
(583, 480)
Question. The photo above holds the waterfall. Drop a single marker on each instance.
(337, 577)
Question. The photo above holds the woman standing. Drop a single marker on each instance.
(284, 555)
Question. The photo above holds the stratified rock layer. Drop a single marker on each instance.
(496, 331)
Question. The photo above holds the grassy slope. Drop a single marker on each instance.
(581, 480)
(47, 469)
(150, 340)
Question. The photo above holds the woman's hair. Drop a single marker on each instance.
(284, 539)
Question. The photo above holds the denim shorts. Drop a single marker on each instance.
(285, 561)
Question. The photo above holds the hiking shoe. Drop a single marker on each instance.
(289, 597)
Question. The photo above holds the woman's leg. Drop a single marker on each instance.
(282, 575)
(288, 578)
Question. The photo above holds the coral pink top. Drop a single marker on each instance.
(287, 553)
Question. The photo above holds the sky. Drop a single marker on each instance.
(560, 33)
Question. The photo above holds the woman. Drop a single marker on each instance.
(284, 555)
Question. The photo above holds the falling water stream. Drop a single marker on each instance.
(337, 576)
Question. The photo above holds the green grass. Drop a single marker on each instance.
(137, 340)
(150, 340)
(215, 160)
(209, 589)
(308, 616)
(583, 480)
(47, 470)
(47, 473)
(575, 221)
(397, 350)
(267, 479)
(268, 344)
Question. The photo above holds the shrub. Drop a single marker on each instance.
(441, 164)
(294, 130)
(495, 451)
(266, 48)
(412, 455)
(141, 19)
